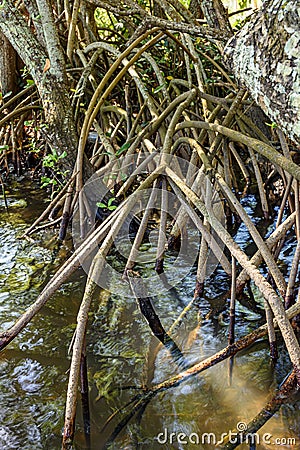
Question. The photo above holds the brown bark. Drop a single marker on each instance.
(216, 15)
(8, 68)
(195, 8)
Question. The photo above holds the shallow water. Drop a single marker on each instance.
(123, 357)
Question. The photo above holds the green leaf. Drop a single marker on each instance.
(110, 201)
(45, 181)
(63, 155)
(49, 161)
(123, 148)
(271, 125)
(158, 88)
(101, 205)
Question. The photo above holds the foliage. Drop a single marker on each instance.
(52, 161)
(109, 206)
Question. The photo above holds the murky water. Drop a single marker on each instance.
(123, 357)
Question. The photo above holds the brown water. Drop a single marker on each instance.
(123, 357)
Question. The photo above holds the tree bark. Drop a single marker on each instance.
(196, 10)
(216, 15)
(265, 56)
(8, 68)
(48, 72)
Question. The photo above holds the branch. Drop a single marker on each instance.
(15, 28)
(262, 148)
(149, 21)
(54, 48)
(229, 351)
(211, 34)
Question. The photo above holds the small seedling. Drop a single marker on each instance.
(109, 205)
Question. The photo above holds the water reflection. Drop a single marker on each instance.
(123, 358)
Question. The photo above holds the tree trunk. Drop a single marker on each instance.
(8, 68)
(48, 72)
(265, 56)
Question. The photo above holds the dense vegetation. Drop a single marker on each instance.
(128, 112)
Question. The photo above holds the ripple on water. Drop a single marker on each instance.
(7, 248)
(31, 385)
(30, 406)
(28, 376)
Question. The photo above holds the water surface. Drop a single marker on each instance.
(123, 356)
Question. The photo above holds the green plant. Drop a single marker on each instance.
(53, 158)
(272, 125)
(109, 205)
(51, 161)
(46, 181)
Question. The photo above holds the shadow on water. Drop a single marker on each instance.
(123, 357)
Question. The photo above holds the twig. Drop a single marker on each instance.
(231, 334)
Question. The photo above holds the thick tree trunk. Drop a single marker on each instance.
(265, 56)
(48, 72)
(8, 68)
